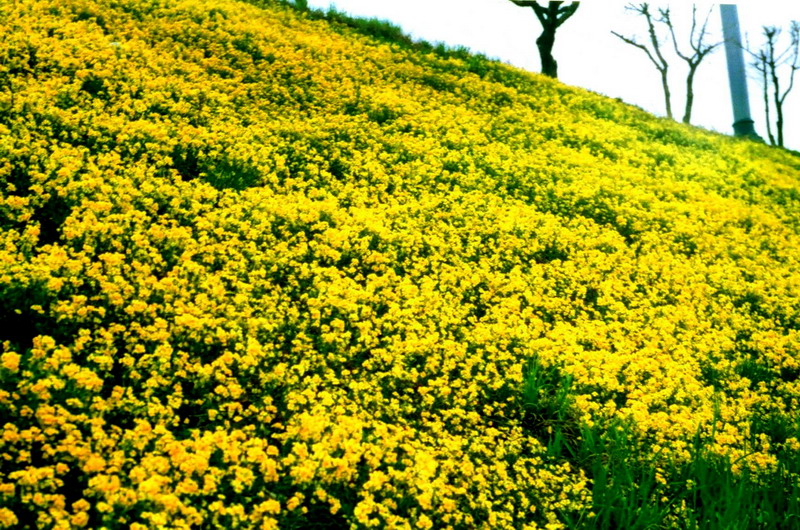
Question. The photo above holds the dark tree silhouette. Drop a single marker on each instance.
(699, 52)
(550, 17)
(655, 54)
(767, 62)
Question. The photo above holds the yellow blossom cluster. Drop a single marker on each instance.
(261, 270)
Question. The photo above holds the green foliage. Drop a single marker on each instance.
(549, 408)
(634, 490)
(222, 171)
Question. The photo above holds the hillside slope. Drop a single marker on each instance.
(258, 269)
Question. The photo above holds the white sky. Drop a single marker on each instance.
(589, 56)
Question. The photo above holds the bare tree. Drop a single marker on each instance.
(699, 52)
(767, 62)
(550, 17)
(653, 52)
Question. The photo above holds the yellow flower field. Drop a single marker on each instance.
(259, 269)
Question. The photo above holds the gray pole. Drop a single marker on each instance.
(742, 123)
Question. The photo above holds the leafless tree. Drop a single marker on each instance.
(697, 42)
(700, 50)
(653, 51)
(767, 61)
(550, 17)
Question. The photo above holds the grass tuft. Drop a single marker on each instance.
(633, 488)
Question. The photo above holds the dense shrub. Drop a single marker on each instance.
(263, 268)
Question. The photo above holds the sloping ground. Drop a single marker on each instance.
(258, 269)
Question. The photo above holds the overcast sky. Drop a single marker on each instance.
(590, 57)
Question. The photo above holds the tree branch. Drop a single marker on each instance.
(566, 12)
(553, 15)
(667, 21)
(642, 47)
(794, 49)
(541, 14)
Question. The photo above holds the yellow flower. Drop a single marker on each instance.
(424, 522)
(271, 506)
(80, 519)
(294, 502)
(279, 256)
(94, 464)
(269, 523)
(7, 518)
(10, 361)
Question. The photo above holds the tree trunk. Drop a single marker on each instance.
(687, 115)
(778, 103)
(766, 104)
(545, 44)
(667, 95)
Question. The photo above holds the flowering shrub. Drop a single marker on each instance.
(259, 270)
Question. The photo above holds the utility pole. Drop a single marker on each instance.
(742, 122)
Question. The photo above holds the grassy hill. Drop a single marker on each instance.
(265, 268)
